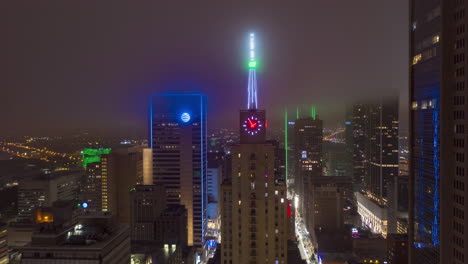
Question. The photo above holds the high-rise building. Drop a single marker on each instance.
(42, 190)
(359, 126)
(147, 203)
(425, 132)
(254, 205)
(308, 137)
(110, 174)
(178, 138)
(437, 132)
(375, 132)
(382, 149)
(454, 131)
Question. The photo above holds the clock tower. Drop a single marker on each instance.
(252, 121)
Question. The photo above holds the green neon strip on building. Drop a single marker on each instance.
(313, 112)
(297, 113)
(286, 141)
(93, 155)
(252, 64)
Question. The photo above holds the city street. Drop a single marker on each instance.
(305, 245)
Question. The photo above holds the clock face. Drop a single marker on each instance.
(252, 125)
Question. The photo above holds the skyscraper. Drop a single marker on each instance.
(454, 130)
(254, 205)
(359, 122)
(425, 103)
(382, 149)
(308, 139)
(178, 140)
(110, 174)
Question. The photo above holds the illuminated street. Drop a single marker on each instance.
(305, 246)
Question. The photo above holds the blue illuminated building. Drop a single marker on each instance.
(179, 148)
(425, 83)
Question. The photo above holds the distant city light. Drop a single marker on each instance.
(185, 117)
(85, 205)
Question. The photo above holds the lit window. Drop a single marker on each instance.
(416, 60)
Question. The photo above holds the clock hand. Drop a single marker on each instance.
(250, 122)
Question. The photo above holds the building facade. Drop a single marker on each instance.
(425, 127)
(454, 152)
(308, 136)
(254, 224)
(147, 203)
(72, 245)
(178, 139)
(110, 174)
(42, 190)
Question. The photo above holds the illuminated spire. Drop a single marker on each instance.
(252, 83)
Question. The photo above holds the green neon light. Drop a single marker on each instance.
(93, 152)
(297, 113)
(252, 64)
(213, 143)
(313, 112)
(93, 155)
(286, 141)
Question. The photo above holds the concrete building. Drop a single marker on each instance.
(373, 213)
(147, 204)
(254, 215)
(44, 189)
(171, 226)
(453, 126)
(328, 204)
(178, 139)
(397, 248)
(94, 239)
(110, 174)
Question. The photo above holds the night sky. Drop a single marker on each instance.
(91, 65)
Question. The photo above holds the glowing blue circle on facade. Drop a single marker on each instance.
(85, 205)
(185, 117)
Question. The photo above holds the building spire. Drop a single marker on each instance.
(252, 83)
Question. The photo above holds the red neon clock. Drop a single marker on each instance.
(252, 125)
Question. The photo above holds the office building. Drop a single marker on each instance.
(327, 199)
(94, 239)
(178, 140)
(147, 204)
(454, 153)
(171, 226)
(397, 248)
(308, 137)
(44, 189)
(373, 213)
(254, 206)
(425, 133)
(110, 174)
(359, 126)
(382, 147)
(453, 125)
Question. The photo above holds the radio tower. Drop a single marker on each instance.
(252, 84)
